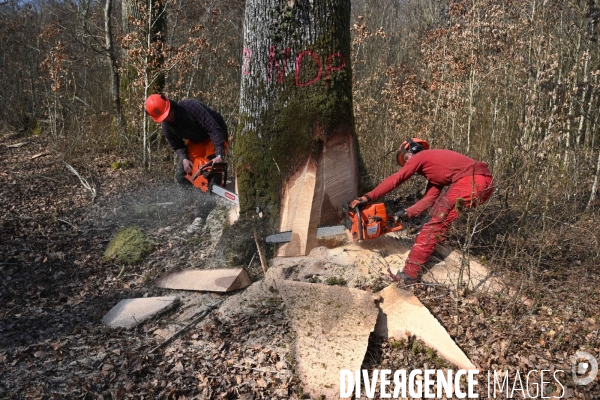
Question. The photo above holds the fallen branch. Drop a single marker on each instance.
(44, 154)
(17, 145)
(196, 318)
(252, 259)
(68, 223)
(83, 181)
(263, 262)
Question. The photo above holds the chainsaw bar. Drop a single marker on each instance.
(369, 223)
(322, 233)
(227, 195)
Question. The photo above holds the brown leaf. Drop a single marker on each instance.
(261, 382)
(39, 354)
(178, 367)
(56, 345)
(281, 365)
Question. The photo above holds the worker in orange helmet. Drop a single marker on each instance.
(192, 129)
(466, 179)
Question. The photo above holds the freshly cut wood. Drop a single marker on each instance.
(131, 312)
(296, 210)
(333, 325)
(403, 314)
(314, 196)
(206, 280)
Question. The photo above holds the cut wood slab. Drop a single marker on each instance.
(296, 210)
(402, 314)
(314, 195)
(130, 312)
(206, 280)
(333, 325)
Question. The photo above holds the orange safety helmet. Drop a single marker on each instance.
(158, 107)
(413, 145)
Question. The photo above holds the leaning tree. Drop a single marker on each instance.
(295, 149)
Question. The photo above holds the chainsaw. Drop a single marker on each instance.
(211, 177)
(366, 224)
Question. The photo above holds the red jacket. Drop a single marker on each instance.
(440, 168)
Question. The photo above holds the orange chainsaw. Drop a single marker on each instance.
(371, 222)
(368, 223)
(211, 177)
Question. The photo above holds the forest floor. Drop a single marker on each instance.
(55, 288)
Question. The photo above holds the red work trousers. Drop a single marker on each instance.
(470, 192)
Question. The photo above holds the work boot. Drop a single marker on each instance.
(400, 276)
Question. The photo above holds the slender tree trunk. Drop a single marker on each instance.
(149, 17)
(112, 56)
(295, 150)
(594, 186)
(583, 96)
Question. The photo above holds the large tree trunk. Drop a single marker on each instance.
(295, 150)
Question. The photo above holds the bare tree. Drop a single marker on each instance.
(112, 56)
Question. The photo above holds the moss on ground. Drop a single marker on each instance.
(336, 281)
(128, 246)
(121, 165)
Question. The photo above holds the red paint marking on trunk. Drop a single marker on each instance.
(330, 66)
(298, 63)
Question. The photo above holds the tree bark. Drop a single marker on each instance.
(130, 9)
(112, 56)
(295, 150)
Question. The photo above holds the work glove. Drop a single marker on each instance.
(217, 159)
(360, 201)
(401, 216)
(187, 166)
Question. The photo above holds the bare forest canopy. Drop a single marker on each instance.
(513, 83)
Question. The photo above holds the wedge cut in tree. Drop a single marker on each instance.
(295, 148)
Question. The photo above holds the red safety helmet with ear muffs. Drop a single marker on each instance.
(158, 107)
(413, 146)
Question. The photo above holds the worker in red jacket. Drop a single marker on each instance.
(192, 129)
(469, 183)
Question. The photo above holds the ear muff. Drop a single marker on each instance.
(411, 145)
(414, 147)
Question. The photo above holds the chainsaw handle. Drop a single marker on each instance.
(360, 224)
(201, 170)
(396, 228)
